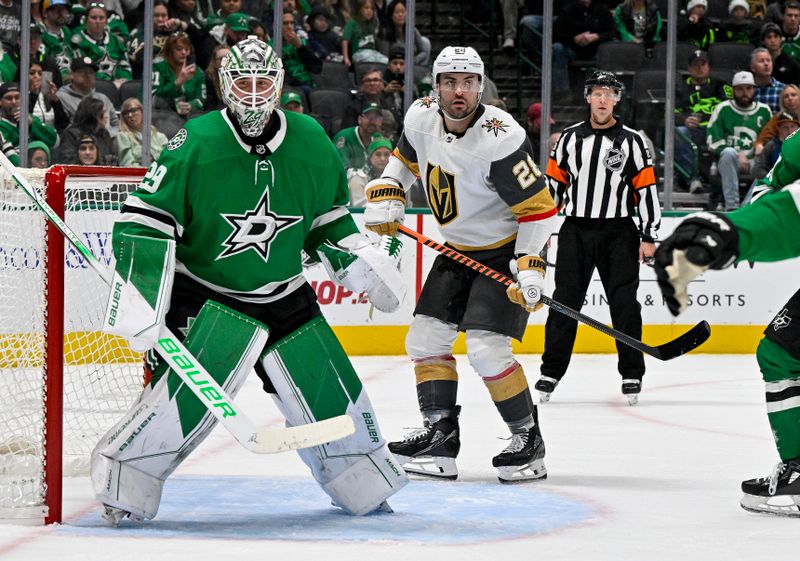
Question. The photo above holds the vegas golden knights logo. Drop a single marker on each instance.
(441, 193)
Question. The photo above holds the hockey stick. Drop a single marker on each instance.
(261, 440)
(692, 339)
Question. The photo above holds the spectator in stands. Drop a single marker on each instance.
(790, 25)
(10, 21)
(291, 101)
(213, 92)
(299, 60)
(187, 11)
(38, 155)
(372, 90)
(163, 25)
(739, 27)
(56, 36)
(534, 127)
(235, 29)
(114, 12)
(784, 68)
(11, 114)
(129, 140)
(43, 102)
(10, 63)
(83, 72)
(694, 27)
(226, 8)
(395, 33)
(360, 36)
(259, 30)
(90, 118)
(177, 81)
(580, 28)
(768, 89)
(378, 153)
(789, 104)
(352, 142)
(775, 11)
(323, 39)
(786, 124)
(339, 11)
(552, 139)
(732, 132)
(106, 50)
(695, 100)
(394, 84)
(638, 21)
(510, 10)
(88, 153)
(531, 28)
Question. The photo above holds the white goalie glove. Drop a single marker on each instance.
(386, 206)
(361, 266)
(528, 289)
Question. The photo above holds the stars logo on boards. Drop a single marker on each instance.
(255, 229)
(494, 125)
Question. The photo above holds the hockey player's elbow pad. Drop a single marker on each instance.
(386, 206)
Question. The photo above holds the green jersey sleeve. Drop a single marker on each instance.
(768, 228)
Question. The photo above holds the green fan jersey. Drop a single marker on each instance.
(242, 214)
(109, 55)
(57, 47)
(193, 90)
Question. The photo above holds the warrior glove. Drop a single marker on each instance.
(386, 206)
(703, 241)
(529, 286)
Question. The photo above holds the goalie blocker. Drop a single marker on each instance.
(132, 461)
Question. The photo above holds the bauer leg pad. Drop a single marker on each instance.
(131, 462)
(315, 380)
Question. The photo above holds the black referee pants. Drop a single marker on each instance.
(612, 246)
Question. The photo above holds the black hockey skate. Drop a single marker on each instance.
(523, 459)
(631, 388)
(778, 493)
(545, 386)
(431, 450)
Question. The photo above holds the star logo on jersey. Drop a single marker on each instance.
(426, 101)
(106, 65)
(255, 230)
(494, 125)
(781, 320)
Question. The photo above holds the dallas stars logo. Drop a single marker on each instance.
(255, 229)
(494, 125)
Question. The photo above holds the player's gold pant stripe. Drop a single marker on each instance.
(495, 245)
(433, 371)
(507, 385)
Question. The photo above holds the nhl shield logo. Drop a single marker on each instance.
(614, 159)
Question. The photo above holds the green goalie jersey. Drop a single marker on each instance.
(241, 213)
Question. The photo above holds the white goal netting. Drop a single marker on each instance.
(101, 376)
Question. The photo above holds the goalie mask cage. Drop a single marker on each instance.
(63, 383)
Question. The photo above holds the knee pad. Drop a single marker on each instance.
(489, 353)
(314, 380)
(131, 462)
(430, 337)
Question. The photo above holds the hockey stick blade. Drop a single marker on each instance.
(271, 441)
(690, 340)
(236, 422)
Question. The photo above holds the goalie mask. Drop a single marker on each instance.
(461, 60)
(251, 80)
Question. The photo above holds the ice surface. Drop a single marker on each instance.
(659, 481)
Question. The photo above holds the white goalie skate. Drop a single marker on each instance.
(114, 515)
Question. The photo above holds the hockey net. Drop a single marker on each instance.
(63, 383)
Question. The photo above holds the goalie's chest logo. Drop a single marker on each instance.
(255, 229)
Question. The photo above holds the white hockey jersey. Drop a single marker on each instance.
(480, 184)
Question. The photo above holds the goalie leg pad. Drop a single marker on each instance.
(131, 462)
(140, 289)
(315, 380)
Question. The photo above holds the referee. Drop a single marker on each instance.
(600, 174)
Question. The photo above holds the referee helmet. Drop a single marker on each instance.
(603, 79)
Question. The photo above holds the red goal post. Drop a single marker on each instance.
(63, 382)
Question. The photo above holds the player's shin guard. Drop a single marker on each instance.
(131, 462)
(781, 373)
(315, 380)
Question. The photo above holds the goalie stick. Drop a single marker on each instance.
(260, 440)
(692, 339)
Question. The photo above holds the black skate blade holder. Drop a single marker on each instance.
(679, 346)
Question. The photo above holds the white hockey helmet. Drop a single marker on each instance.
(249, 61)
(458, 59)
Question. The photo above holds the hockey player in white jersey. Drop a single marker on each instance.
(492, 204)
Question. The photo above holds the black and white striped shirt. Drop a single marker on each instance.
(605, 173)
